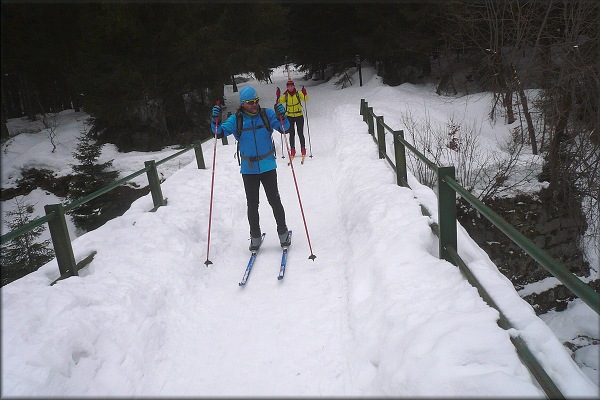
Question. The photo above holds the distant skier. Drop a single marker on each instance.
(293, 109)
(257, 152)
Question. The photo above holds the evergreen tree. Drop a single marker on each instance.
(399, 35)
(23, 254)
(90, 176)
(139, 62)
(39, 49)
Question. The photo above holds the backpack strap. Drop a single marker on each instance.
(258, 158)
(239, 119)
(286, 100)
(265, 119)
(240, 122)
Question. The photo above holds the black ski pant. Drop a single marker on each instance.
(252, 185)
(296, 122)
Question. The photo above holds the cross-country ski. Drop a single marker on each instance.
(251, 262)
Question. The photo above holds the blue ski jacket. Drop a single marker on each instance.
(257, 151)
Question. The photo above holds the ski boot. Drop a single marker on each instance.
(285, 239)
(255, 243)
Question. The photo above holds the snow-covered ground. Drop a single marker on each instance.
(376, 313)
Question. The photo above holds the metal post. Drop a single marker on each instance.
(154, 182)
(60, 240)
(446, 213)
(199, 155)
(400, 152)
(358, 66)
(381, 137)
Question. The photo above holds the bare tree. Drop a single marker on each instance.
(486, 174)
(570, 100)
(506, 35)
(552, 46)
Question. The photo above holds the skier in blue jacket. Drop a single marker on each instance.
(258, 163)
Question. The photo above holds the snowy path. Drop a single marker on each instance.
(376, 314)
(256, 336)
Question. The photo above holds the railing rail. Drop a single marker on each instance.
(447, 233)
(105, 189)
(579, 288)
(55, 213)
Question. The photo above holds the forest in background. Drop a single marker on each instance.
(148, 73)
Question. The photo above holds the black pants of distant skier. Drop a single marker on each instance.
(252, 185)
(299, 123)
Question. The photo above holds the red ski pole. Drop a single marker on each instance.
(312, 256)
(212, 187)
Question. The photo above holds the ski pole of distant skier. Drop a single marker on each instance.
(277, 102)
(312, 256)
(212, 187)
(307, 125)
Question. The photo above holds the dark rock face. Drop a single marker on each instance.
(553, 226)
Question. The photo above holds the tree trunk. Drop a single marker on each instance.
(564, 109)
(523, 99)
(507, 102)
(5, 133)
(27, 97)
(497, 69)
(530, 129)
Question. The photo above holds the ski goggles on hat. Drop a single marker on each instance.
(252, 101)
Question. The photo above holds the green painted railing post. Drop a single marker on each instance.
(60, 240)
(199, 155)
(154, 182)
(381, 137)
(446, 213)
(400, 152)
(370, 121)
(363, 109)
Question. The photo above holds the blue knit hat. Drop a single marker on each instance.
(247, 93)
